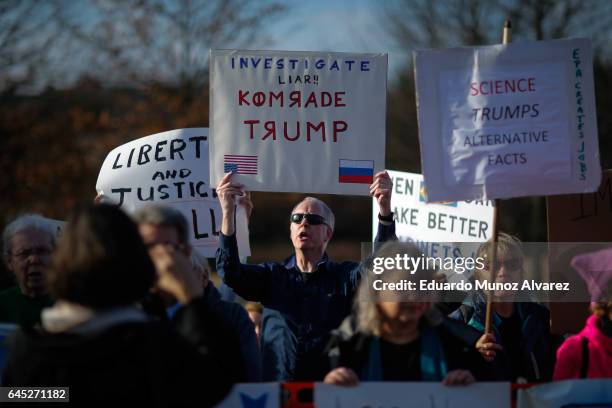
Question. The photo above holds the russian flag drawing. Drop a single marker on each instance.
(356, 171)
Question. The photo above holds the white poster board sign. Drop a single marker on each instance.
(569, 393)
(445, 229)
(263, 395)
(309, 122)
(417, 220)
(507, 120)
(170, 168)
(409, 395)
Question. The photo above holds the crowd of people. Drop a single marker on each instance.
(119, 300)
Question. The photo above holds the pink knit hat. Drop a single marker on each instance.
(596, 270)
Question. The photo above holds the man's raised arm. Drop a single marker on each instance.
(249, 281)
(381, 189)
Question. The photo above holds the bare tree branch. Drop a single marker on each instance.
(125, 41)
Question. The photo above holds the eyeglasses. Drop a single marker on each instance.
(26, 253)
(312, 219)
(512, 264)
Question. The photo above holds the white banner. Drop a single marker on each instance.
(417, 220)
(507, 120)
(262, 395)
(446, 229)
(409, 395)
(570, 393)
(309, 122)
(170, 168)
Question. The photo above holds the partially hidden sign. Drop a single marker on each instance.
(507, 120)
(417, 220)
(261, 395)
(452, 228)
(413, 394)
(309, 122)
(170, 168)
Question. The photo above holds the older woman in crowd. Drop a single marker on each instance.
(520, 343)
(28, 243)
(399, 336)
(98, 343)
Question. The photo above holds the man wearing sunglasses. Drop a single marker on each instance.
(307, 295)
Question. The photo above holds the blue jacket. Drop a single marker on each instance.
(239, 320)
(445, 346)
(536, 345)
(303, 312)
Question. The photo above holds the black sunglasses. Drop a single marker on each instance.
(312, 219)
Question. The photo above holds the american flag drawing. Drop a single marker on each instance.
(240, 164)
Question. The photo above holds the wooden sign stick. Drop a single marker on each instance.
(493, 249)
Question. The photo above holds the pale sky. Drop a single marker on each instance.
(340, 25)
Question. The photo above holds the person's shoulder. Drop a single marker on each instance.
(458, 330)
(354, 341)
(341, 267)
(538, 310)
(20, 338)
(129, 333)
(10, 293)
(152, 337)
(463, 313)
(571, 345)
(458, 341)
(235, 311)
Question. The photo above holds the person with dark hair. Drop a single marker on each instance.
(28, 243)
(97, 342)
(400, 335)
(520, 344)
(307, 295)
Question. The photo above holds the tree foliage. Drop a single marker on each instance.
(80, 78)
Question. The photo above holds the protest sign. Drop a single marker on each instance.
(570, 393)
(439, 229)
(170, 168)
(582, 217)
(416, 220)
(507, 120)
(308, 122)
(265, 395)
(408, 395)
(574, 219)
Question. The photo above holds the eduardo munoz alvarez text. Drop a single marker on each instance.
(458, 265)
(466, 286)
